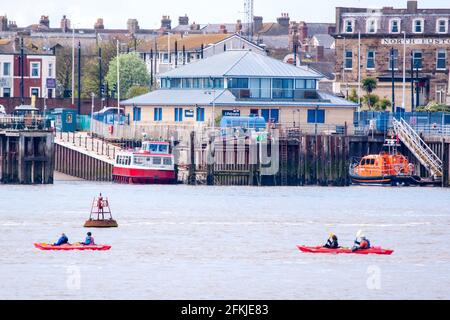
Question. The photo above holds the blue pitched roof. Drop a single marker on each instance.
(240, 63)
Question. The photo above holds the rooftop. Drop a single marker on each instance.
(224, 97)
(239, 63)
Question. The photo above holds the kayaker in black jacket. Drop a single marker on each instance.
(332, 242)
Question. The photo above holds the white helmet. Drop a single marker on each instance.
(360, 234)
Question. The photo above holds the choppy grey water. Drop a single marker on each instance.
(181, 242)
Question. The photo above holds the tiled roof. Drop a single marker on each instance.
(190, 42)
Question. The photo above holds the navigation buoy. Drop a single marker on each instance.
(101, 216)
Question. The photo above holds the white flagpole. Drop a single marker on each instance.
(404, 71)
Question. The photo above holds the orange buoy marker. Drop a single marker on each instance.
(101, 216)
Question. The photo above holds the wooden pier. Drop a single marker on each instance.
(302, 160)
(27, 157)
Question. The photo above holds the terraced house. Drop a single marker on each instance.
(393, 41)
(240, 83)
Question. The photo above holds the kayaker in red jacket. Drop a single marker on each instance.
(332, 242)
(361, 242)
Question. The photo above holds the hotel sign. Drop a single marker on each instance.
(417, 41)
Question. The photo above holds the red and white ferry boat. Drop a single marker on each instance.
(152, 164)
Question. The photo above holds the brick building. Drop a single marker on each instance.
(39, 71)
(383, 33)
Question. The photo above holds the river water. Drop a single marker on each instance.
(183, 242)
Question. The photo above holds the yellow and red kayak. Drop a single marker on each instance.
(319, 249)
(75, 246)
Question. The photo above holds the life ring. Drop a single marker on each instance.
(111, 129)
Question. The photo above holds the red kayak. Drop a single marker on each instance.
(318, 249)
(66, 247)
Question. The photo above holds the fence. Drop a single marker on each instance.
(29, 122)
(430, 124)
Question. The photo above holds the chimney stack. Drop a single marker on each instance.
(258, 23)
(166, 23)
(239, 27)
(65, 24)
(183, 21)
(223, 29)
(412, 6)
(132, 26)
(284, 20)
(99, 25)
(195, 27)
(302, 32)
(44, 21)
(3, 23)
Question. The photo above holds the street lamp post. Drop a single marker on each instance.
(404, 71)
(92, 113)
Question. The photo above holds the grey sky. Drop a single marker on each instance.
(116, 12)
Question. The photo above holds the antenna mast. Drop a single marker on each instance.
(249, 15)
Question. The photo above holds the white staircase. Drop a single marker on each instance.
(418, 147)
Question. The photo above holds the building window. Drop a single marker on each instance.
(395, 25)
(136, 114)
(393, 60)
(175, 83)
(441, 63)
(348, 60)
(417, 59)
(49, 93)
(50, 70)
(200, 114)
(35, 70)
(310, 84)
(196, 83)
(238, 83)
(316, 116)
(418, 25)
(157, 114)
(283, 88)
(442, 26)
(6, 92)
(218, 83)
(7, 69)
(370, 59)
(349, 26)
(371, 26)
(187, 83)
(178, 114)
(34, 92)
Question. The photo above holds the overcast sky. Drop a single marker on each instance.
(116, 12)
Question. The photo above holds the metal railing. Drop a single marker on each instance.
(25, 122)
(97, 146)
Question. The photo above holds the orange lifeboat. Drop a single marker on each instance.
(387, 168)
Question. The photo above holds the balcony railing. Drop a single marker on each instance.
(309, 95)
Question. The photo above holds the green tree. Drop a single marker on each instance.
(136, 91)
(382, 104)
(133, 72)
(371, 100)
(433, 107)
(353, 97)
(369, 84)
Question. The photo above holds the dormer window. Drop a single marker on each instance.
(394, 25)
(349, 26)
(418, 25)
(371, 26)
(442, 26)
